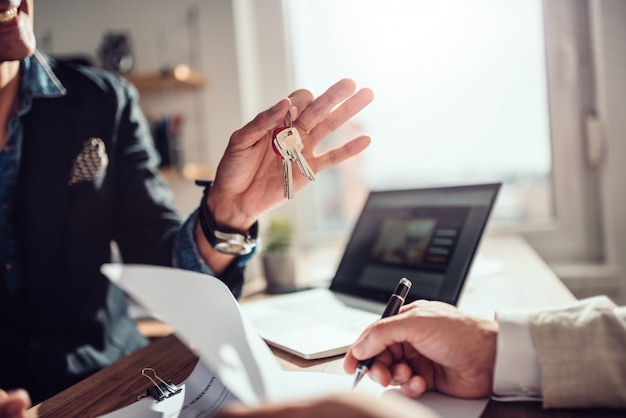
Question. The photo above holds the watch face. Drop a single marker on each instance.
(231, 248)
(232, 243)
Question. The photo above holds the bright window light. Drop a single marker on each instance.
(460, 97)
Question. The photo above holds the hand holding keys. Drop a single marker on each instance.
(287, 143)
(246, 182)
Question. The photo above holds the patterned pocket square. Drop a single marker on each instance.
(91, 161)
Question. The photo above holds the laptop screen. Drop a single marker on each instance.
(428, 235)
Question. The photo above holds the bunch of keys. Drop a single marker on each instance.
(287, 144)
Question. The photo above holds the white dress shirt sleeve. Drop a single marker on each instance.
(517, 374)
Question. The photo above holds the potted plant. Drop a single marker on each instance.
(277, 257)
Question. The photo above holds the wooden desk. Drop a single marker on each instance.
(507, 274)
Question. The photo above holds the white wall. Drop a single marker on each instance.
(161, 36)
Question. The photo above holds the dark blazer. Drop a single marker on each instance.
(69, 320)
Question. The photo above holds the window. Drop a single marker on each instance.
(466, 91)
(460, 96)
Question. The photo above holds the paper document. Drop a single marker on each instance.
(203, 394)
(236, 362)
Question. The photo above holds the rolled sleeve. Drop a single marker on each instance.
(186, 256)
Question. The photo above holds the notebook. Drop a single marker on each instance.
(427, 235)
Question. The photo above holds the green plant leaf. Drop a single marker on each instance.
(278, 235)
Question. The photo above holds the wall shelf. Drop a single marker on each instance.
(180, 76)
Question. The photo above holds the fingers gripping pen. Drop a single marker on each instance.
(393, 306)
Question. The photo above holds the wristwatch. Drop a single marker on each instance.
(227, 241)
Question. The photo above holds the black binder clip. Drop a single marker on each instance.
(161, 389)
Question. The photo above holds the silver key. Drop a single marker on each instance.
(290, 141)
(287, 170)
(287, 178)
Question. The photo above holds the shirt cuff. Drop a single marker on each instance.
(186, 254)
(517, 374)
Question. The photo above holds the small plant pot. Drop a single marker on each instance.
(280, 272)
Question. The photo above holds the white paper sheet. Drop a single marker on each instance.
(203, 394)
(205, 314)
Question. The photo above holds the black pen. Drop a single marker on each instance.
(393, 306)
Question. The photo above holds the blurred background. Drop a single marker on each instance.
(530, 93)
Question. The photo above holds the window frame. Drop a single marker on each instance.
(575, 236)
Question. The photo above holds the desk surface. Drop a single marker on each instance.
(507, 274)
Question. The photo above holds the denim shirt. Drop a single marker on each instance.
(37, 81)
(186, 254)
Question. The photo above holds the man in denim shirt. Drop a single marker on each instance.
(78, 170)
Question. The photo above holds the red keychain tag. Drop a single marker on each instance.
(276, 131)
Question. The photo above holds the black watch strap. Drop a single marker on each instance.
(227, 241)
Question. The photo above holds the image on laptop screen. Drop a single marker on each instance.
(426, 235)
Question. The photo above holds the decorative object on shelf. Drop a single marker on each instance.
(115, 52)
(277, 256)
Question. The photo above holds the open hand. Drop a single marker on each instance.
(249, 177)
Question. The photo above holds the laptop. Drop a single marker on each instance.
(427, 235)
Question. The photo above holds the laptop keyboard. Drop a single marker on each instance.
(329, 311)
(313, 323)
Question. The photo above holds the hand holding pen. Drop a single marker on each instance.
(430, 346)
(393, 306)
